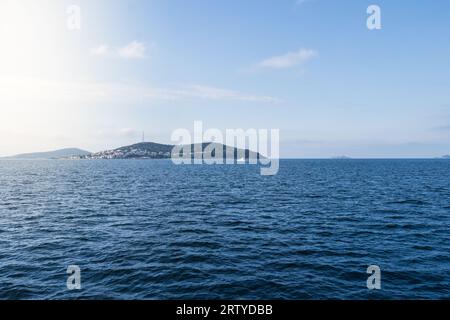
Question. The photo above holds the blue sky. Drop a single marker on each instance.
(310, 68)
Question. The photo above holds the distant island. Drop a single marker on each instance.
(144, 150)
(446, 157)
(151, 150)
(56, 154)
(341, 158)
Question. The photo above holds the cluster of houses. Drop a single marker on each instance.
(128, 154)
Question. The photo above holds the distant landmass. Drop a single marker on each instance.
(341, 158)
(446, 157)
(144, 150)
(151, 150)
(56, 154)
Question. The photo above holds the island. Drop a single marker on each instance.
(151, 150)
(143, 150)
(49, 155)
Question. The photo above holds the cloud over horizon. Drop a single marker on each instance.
(288, 60)
(133, 50)
(29, 90)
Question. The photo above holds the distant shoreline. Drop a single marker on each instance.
(169, 159)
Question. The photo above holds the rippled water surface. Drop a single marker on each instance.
(153, 230)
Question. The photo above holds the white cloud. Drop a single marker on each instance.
(133, 50)
(25, 90)
(207, 92)
(288, 60)
(101, 50)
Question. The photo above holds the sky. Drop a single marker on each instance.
(310, 68)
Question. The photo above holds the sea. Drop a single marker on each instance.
(149, 229)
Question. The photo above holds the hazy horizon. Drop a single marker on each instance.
(282, 157)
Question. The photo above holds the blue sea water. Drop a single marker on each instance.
(153, 230)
